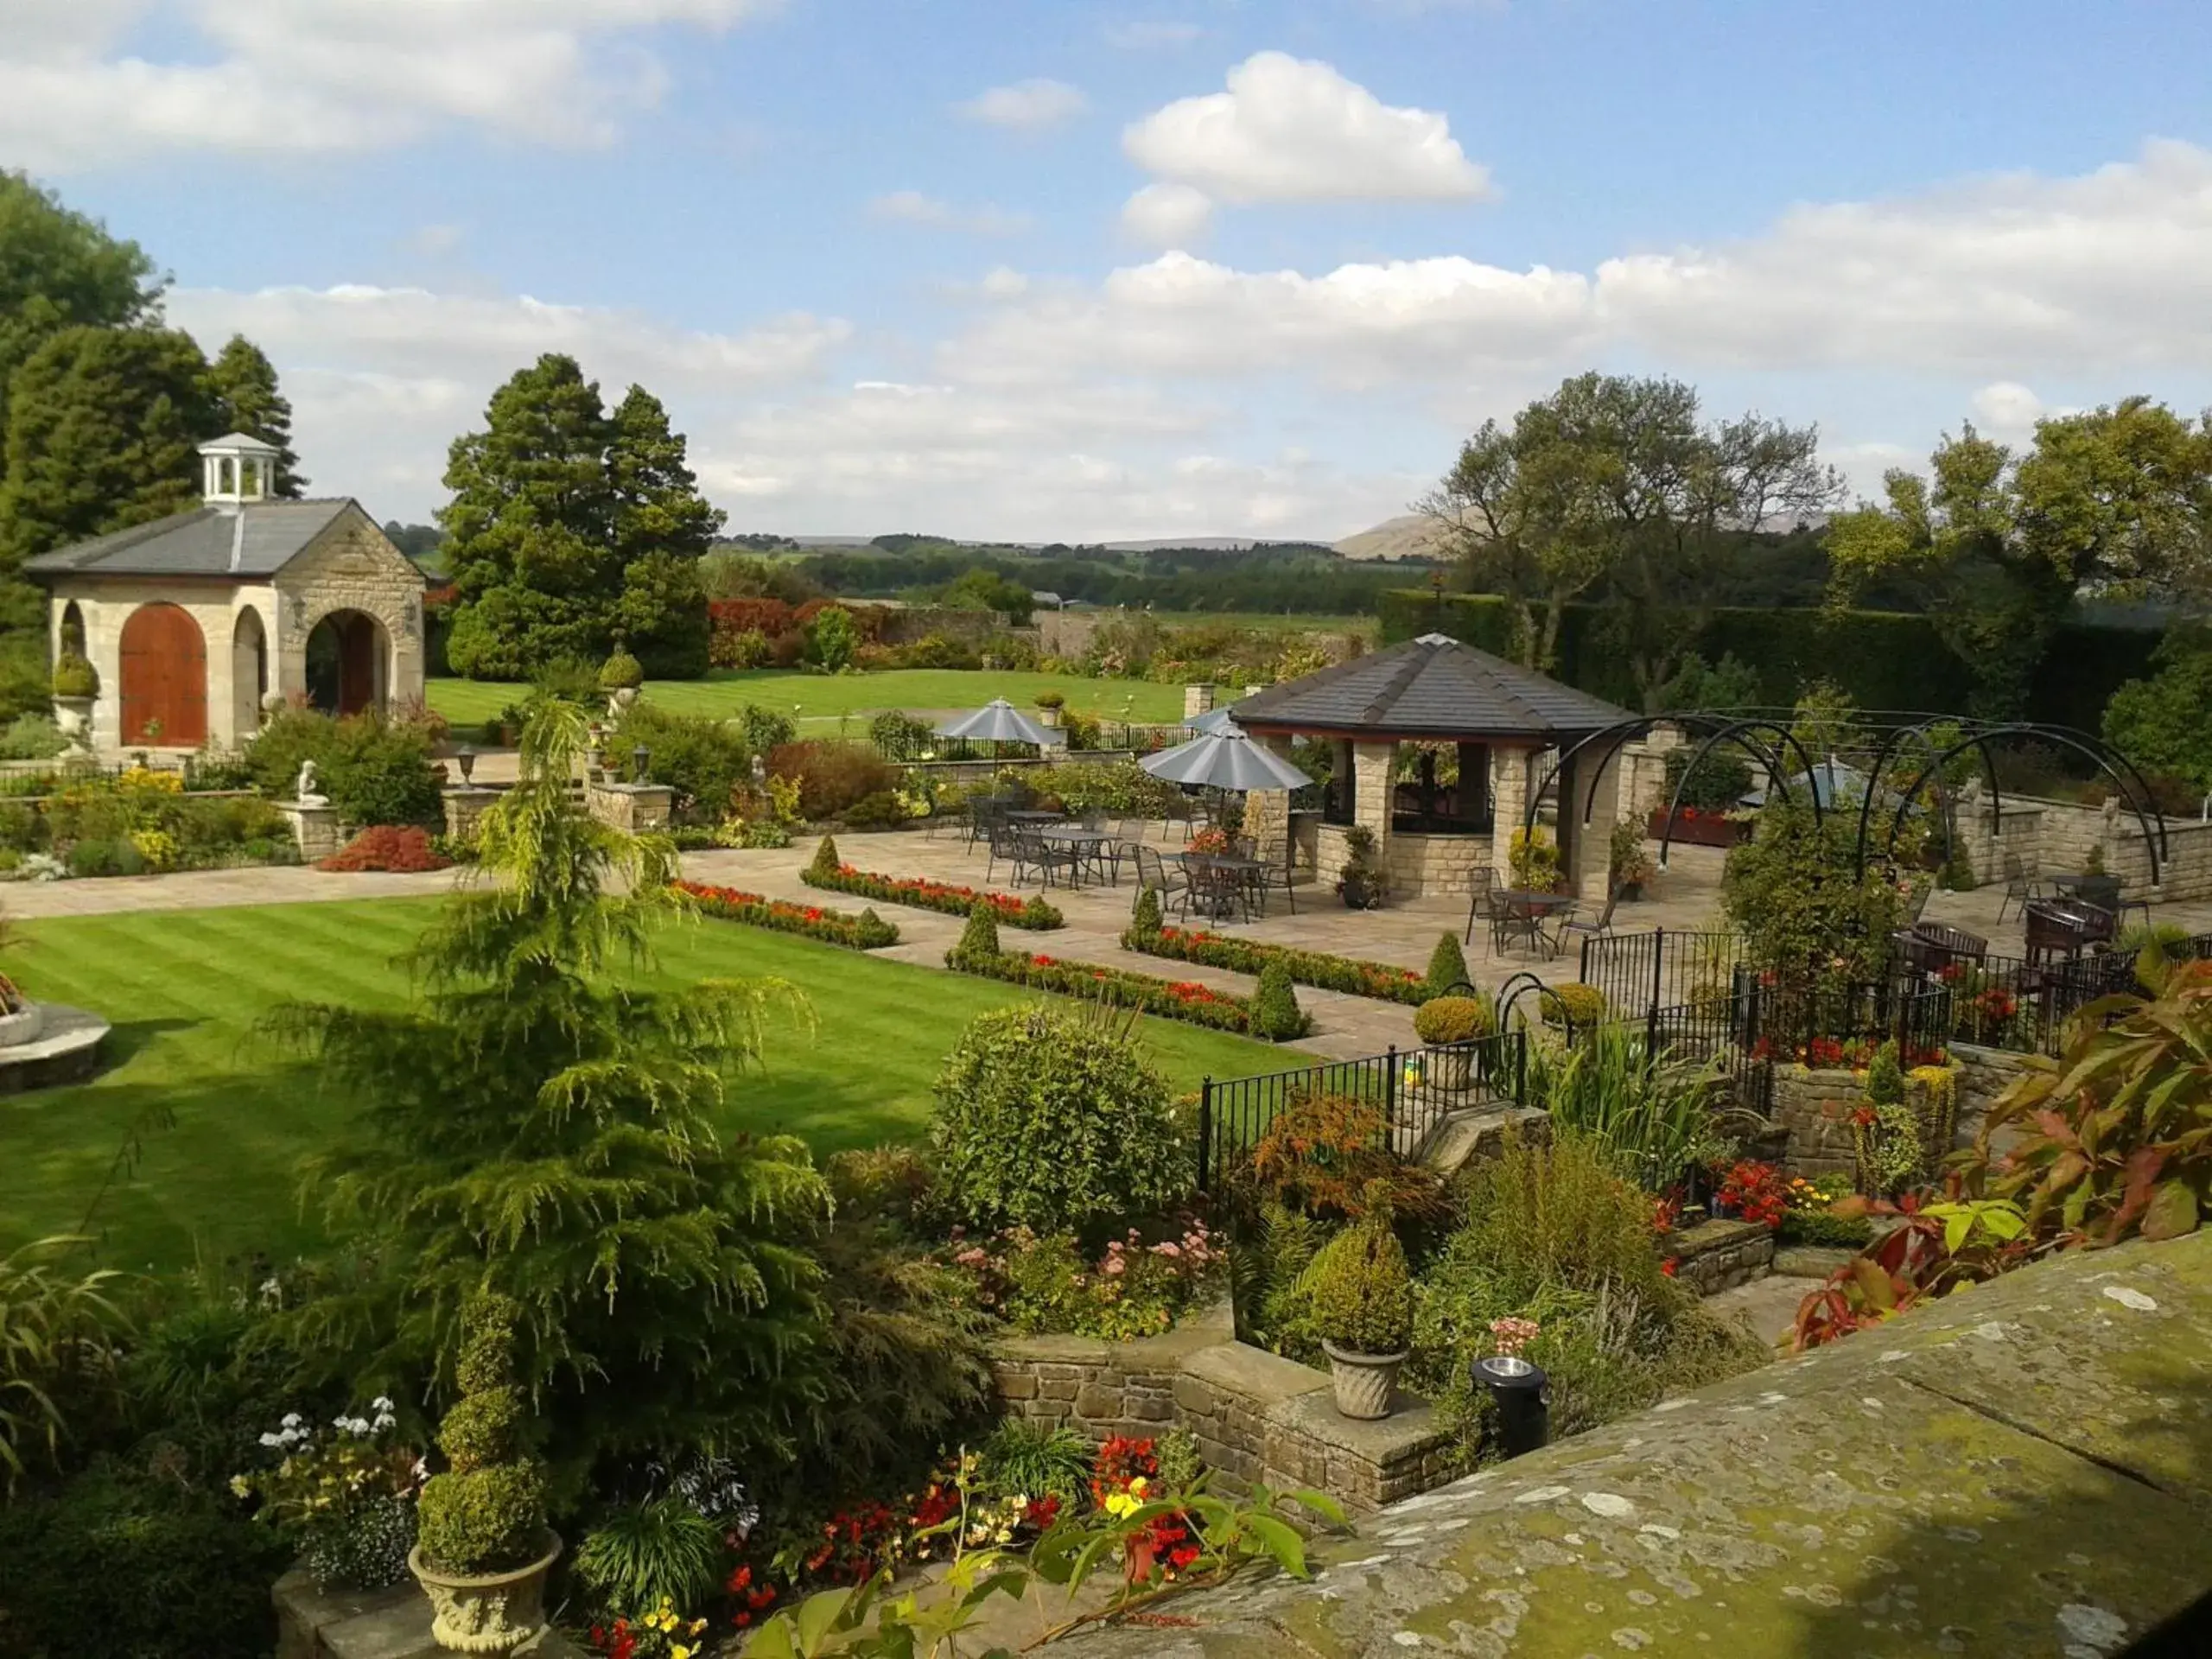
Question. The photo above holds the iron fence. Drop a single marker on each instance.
(1415, 1090)
(1659, 969)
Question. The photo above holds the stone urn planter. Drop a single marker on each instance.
(1452, 1070)
(22, 1026)
(1363, 1383)
(491, 1613)
(73, 716)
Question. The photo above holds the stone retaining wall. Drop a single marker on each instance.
(1814, 1108)
(1255, 1416)
(1718, 1255)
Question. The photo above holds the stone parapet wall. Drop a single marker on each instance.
(1437, 864)
(2051, 838)
(635, 807)
(1718, 1255)
(1814, 1108)
(1256, 1416)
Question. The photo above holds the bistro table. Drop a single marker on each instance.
(1089, 847)
(1521, 912)
(1034, 815)
(1220, 880)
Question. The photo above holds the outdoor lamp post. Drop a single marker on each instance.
(638, 759)
(1517, 1387)
(467, 760)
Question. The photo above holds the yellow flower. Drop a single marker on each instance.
(1119, 1505)
(678, 1650)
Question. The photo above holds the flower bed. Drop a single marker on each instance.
(1185, 1000)
(1050, 1284)
(1702, 826)
(1318, 969)
(866, 932)
(923, 894)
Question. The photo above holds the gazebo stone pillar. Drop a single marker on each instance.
(1266, 811)
(1372, 764)
(1508, 804)
(1588, 856)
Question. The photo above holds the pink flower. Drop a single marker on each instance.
(1115, 1267)
(1165, 1247)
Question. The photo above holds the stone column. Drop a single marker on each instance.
(1371, 765)
(1587, 861)
(1509, 799)
(1266, 811)
(1197, 700)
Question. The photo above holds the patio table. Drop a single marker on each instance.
(1523, 912)
(1088, 845)
(1034, 816)
(1220, 880)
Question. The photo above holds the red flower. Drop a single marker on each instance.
(1671, 1266)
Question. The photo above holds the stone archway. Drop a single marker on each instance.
(164, 678)
(249, 674)
(347, 664)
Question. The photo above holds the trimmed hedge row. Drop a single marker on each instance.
(1382, 980)
(829, 872)
(1274, 1018)
(866, 932)
(1882, 659)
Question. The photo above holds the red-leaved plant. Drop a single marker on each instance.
(390, 847)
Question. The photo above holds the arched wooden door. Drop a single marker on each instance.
(164, 678)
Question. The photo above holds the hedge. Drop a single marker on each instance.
(1882, 659)
(922, 893)
(866, 932)
(1185, 999)
(1316, 968)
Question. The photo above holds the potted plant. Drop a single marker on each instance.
(619, 677)
(1362, 883)
(483, 1548)
(1532, 861)
(1049, 706)
(2095, 886)
(76, 687)
(1363, 1303)
(1631, 865)
(1452, 1024)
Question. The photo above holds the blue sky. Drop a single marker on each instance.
(1077, 270)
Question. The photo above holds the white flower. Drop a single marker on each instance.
(271, 1440)
(292, 1420)
(385, 1420)
(382, 1402)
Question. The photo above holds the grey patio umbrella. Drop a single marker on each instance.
(1213, 721)
(1224, 760)
(1833, 783)
(997, 721)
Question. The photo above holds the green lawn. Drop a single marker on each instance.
(185, 988)
(829, 696)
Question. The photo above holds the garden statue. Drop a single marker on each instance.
(303, 791)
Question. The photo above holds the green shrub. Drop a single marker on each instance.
(831, 639)
(765, 729)
(832, 776)
(2159, 722)
(1652, 1114)
(898, 734)
(375, 771)
(881, 811)
(825, 860)
(1052, 1120)
(704, 760)
(1036, 1458)
(75, 676)
(1276, 1014)
(641, 1555)
(31, 737)
(621, 672)
(487, 1513)
(90, 858)
(1447, 964)
(979, 939)
(1361, 1290)
(878, 1183)
(1572, 1003)
(1557, 1214)
(1454, 1020)
(1144, 920)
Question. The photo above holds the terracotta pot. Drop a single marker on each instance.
(491, 1613)
(1362, 1383)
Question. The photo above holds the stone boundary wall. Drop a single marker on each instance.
(1255, 1416)
(2053, 836)
(1717, 1255)
(1814, 1108)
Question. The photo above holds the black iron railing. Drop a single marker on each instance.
(1414, 1090)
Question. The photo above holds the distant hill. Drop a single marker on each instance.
(1409, 536)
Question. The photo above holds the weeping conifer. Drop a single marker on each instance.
(539, 1127)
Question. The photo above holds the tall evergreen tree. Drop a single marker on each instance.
(60, 269)
(247, 399)
(540, 1127)
(102, 432)
(571, 526)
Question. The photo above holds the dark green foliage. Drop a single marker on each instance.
(1715, 784)
(533, 1128)
(641, 1555)
(74, 676)
(156, 1568)
(1806, 912)
(103, 430)
(1360, 1289)
(1317, 967)
(979, 940)
(899, 735)
(2164, 723)
(621, 672)
(766, 729)
(1144, 920)
(1276, 1014)
(1036, 1458)
(831, 639)
(487, 1513)
(825, 860)
(704, 759)
(880, 810)
(568, 525)
(1447, 964)
(375, 770)
(247, 399)
(1052, 1120)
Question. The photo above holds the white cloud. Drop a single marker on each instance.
(915, 207)
(2006, 406)
(1168, 216)
(279, 77)
(1027, 105)
(1151, 34)
(1293, 129)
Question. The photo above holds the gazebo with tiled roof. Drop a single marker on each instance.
(1434, 691)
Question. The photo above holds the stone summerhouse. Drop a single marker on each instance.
(195, 621)
(1503, 721)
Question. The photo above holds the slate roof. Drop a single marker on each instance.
(256, 540)
(1431, 687)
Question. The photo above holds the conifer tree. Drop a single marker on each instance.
(248, 400)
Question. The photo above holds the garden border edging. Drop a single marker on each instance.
(1257, 1417)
